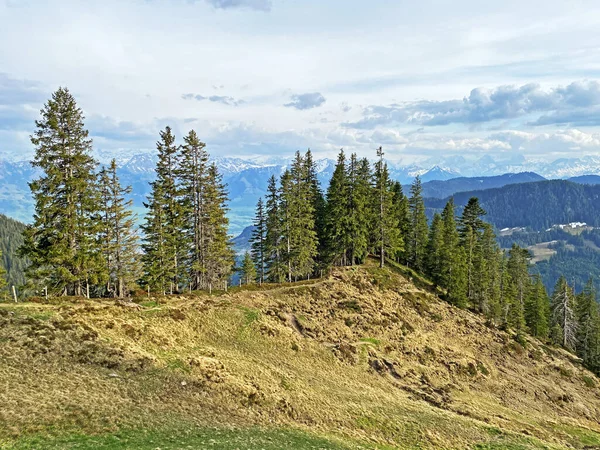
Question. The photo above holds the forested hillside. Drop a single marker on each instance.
(446, 188)
(11, 237)
(538, 205)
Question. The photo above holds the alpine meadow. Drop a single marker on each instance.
(264, 225)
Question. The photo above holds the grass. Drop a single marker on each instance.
(189, 438)
(98, 375)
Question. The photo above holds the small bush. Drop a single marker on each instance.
(589, 381)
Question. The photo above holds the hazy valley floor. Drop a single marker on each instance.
(361, 359)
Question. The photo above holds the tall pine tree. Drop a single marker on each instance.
(62, 242)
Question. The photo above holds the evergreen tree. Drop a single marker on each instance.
(434, 249)
(563, 314)
(301, 218)
(588, 327)
(219, 256)
(258, 241)
(248, 270)
(360, 218)
(417, 237)
(402, 218)
(339, 214)
(537, 310)
(387, 228)
(488, 274)
(62, 242)
(119, 237)
(192, 175)
(275, 264)
(318, 203)
(453, 269)
(470, 228)
(517, 287)
(163, 230)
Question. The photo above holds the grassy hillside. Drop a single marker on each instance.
(362, 359)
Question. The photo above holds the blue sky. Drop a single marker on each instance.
(267, 77)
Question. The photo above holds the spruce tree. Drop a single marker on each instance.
(163, 229)
(490, 275)
(537, 310)
(470, 227)
(588, 327)
(453, 268)
(435, 243)
(318, 203)
(192, 176)
(517, 288)
(276, 268)
(248, 270)
(119, 237)
(303, 237)
(387, 232)
(339, 215)
(219, 256)
(417, 237)
(258, 241)
(360, 218)
(563, 315)
(402, 218)
(62, 242)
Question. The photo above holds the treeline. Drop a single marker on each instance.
(83, 240)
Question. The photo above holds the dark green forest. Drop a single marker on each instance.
(537, 205)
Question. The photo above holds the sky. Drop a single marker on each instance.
(264, 78)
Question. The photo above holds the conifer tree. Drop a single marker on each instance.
(588, 326)
(219, 256)
(470, 227)
(192, 176)
(248, 270)
(119, 237)
(517, 287)
(360, 218)
(163, 229)
(388, 238)
(417, 237)
(62, 242)
(301, 218)
(563, 314)
(402, 218)
(258, 241)
(276, 266)
(434, 250)
(339, 214)
(489, 274)
(453, 269)
(318, 203)
(537, 310)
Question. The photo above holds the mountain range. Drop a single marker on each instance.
(247, 178)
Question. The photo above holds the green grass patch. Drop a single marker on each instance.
(251, 315)
(192, 438)
(368, 340)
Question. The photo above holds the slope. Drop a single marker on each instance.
(538, 205)
(360, 359)
(446, 188)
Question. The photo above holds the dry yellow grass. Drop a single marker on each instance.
(363, 355)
